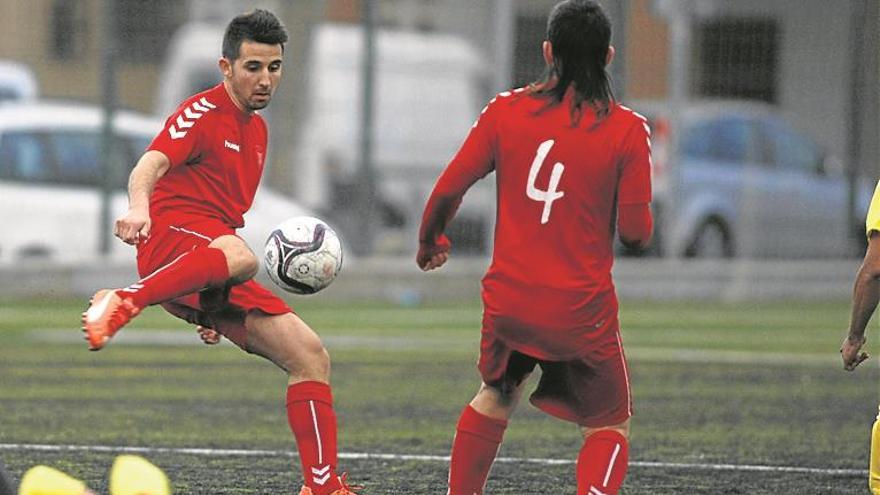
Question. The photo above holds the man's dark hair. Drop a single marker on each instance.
(259, 25)
(580, 33)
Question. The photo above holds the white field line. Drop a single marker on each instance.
(416, 457)
(354, 341)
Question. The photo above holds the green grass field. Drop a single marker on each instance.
(738, 385)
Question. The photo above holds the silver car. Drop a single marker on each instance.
(735, 179)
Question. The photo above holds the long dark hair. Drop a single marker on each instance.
(580, 33)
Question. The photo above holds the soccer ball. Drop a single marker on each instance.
(303, 255)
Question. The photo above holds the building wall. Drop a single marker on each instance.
(814, 63)
(25, 36)
(646, 61)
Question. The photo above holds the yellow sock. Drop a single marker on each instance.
(874, 476)
(43, 480)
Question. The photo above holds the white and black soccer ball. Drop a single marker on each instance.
(303, 255)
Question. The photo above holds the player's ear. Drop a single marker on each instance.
(547, 49)
(610, 55)
(225, 67)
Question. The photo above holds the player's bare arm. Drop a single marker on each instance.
(866, 294)
(135, 223)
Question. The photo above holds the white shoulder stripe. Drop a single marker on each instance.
(188, 118)
(637, 114)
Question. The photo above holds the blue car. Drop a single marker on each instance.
(734, 178)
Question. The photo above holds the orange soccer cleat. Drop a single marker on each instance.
(345, 490)
(107, 313)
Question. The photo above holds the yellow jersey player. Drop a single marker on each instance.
(866, 295)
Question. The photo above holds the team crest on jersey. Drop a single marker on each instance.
(189, 116)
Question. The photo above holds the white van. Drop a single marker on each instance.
(427, 95)
(50, 183)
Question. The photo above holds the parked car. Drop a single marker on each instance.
(50, 183)
(736, 179)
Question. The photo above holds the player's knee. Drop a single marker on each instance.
(250, 265)
(622, 428)
(309, 360)
(243, 264)
(502, 396)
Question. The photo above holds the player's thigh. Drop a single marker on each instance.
(286, 340)
(592, 393)
(504, 372)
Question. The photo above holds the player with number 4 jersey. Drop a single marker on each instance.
(572, 167)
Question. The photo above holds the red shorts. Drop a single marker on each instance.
(591, 391)
(222, 309)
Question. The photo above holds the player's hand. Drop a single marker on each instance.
(849, 352)
(208, 335)
(134, 226)
(431, 256)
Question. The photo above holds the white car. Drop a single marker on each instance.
(17, 82)
(50, 183)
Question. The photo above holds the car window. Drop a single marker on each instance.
(9, 94)
(697, 142)
(790, 150)
(727, 139)
(23, 157)
(132, 148)
(138, 145)
(77, 153)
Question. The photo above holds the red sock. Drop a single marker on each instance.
(191, 272)
(313, 422)
(602, 463)
(477, 439)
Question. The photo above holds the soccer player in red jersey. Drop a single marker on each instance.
(569, 163)
(187, 195)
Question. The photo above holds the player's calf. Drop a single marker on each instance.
(602, 462)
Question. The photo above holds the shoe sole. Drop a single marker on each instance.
(86, 336)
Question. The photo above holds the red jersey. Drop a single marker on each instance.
(558, 185)
(217, 153)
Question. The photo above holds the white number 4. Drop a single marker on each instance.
(551, 194)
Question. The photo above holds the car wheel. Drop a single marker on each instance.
(712, 240)
(34, 252)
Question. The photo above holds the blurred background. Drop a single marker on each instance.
(765, 143)
(764, 118)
